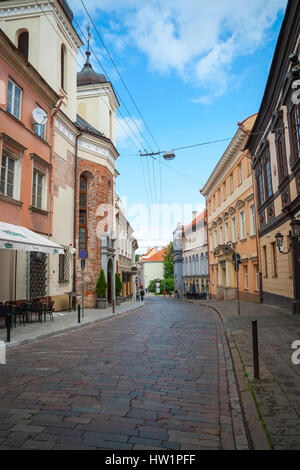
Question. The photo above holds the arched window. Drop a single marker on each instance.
(83, 233)
(63, 67)
(23, 43)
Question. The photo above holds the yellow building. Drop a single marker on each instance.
(232, 221)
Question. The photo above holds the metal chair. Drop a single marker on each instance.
(37, 308)
(49, 310)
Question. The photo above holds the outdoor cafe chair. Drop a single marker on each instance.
(37, 309)
(49, 310)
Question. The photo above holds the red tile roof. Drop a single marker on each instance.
(196, 220)
(159, 256)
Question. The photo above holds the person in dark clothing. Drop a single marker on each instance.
(142, 293)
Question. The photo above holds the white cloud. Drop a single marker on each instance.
(198, 39)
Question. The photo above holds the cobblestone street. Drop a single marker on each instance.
(157, 378)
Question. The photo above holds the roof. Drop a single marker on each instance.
(157, 257)
(83, 125)
(196, 220)
(87, 76)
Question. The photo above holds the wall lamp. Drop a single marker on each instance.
(294, 233)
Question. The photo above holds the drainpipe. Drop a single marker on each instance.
(74, 216)
(53, 112)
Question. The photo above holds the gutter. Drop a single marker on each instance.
(74, 216)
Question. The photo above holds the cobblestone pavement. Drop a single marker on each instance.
(157, 378)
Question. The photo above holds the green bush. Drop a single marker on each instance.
(118, 285)
(169, 283)
(101, 286)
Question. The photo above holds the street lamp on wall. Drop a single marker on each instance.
(294, 233)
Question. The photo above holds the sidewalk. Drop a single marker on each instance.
(272, 403)
(63, 321)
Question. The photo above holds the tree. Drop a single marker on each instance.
(118, 285)
(101, 286)
(169, 263)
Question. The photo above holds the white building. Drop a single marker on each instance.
(125, 247)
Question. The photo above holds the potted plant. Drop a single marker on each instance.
(119, 298)
(101, 288)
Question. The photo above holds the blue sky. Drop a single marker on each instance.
(194, 69)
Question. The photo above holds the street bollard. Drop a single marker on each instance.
(8, 327)
(255, 349)
(113, 306)
(78, 313)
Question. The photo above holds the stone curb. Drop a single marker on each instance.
(14, 344)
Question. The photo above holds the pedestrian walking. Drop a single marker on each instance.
(165, 293)
(138, 293)
(142, 294)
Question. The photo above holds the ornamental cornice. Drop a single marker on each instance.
(234, 147)
(28, 10)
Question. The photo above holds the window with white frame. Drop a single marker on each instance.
(14, 94)
(234, 238)
(40, 130)
(226, 233)
(37, 189)
(240, 173)
(7, 180)
(252, 219)
(243, 226)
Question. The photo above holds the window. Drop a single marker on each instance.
(37, 189)
(233, 229)
(221, 235)
(224, 191)
(39, 129)
(260, 188)
(252, 219)
(226, 232)
(232, 182)
(216, 238)
(274, 259)
(281, 151)
(295, 131)
(219, 197)
(83, 235)
(63, 67)
(211, 242)
(7, 176)
(64, 267)
(265, 260)
(14, 99)
(23, 42)
(246, 279)
(214, 202)
(240, 174)
(268, 178)
(243, 226)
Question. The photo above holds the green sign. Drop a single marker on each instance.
(8, 245)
